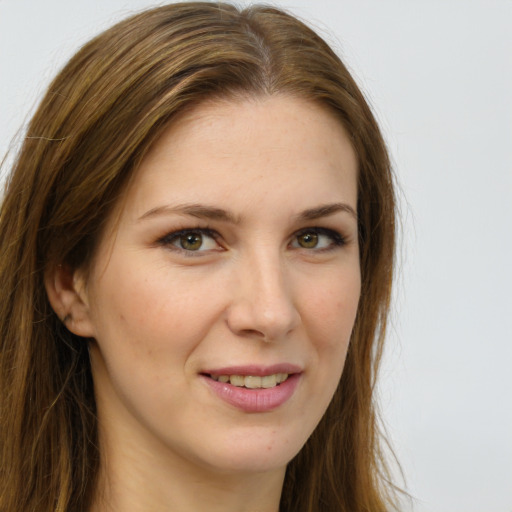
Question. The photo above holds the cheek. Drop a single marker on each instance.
(146, 312)
(146, 328)
(332, 309)
(329, 319)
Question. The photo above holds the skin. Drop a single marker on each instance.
(258, 291)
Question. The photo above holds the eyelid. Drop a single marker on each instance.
(338, 240)
(168, 239)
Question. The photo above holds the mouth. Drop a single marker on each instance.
(253, 388)
(252, 381)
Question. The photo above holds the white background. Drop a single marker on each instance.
(439, 75)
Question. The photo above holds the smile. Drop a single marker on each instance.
(254, 388)
(252, 381)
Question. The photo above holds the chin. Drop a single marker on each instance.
(255, 452)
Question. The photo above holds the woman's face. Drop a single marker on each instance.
(222, 299)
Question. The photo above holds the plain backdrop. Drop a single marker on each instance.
(439, 76)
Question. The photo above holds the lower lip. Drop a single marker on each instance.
(255, 400)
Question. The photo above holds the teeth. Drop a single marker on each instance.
(281, 377)
(269, 381)
(252, 381)
(237, 380)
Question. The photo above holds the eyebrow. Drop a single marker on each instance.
(325, 211)
(202, 211)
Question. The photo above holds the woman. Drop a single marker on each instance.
(197, 253)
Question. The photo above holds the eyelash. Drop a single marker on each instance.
(169, 239)
(337, 240)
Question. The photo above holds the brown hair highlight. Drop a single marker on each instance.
(95, 124)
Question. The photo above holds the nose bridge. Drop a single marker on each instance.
(264, 302)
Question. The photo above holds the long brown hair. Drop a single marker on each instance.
(97, 120)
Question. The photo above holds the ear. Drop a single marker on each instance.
(67, 293)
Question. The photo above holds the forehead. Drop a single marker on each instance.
(261, 152)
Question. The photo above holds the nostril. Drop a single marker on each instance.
(252, 316)
(253, 332)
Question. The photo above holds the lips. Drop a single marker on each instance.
(254, 389)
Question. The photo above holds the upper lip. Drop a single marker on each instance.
(256, 370)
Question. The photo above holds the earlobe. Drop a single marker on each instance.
(66, 290)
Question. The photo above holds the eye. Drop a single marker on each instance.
(318, 239)
(191, 240)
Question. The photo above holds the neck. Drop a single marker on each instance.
(130, 490)
(135, 479)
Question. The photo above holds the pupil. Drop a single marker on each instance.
(309, 240)
(191, 241)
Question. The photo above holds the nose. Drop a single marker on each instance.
(263, 304)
